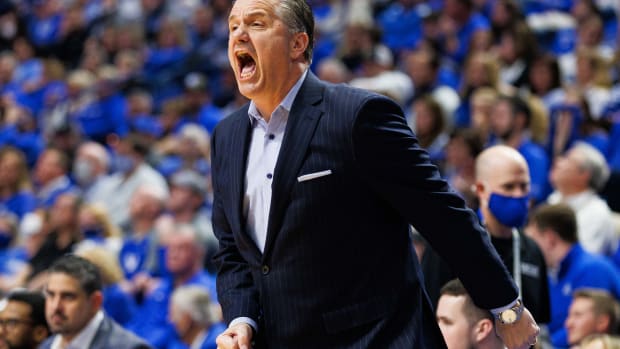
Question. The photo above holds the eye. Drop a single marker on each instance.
(257, 24)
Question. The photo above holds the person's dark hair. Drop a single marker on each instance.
(439, 122)
(518, 106)
(138, 143)
(559, 217)
(35, 300)
(85, 272)
(472, 138)
(473, 314)
(551, 63)
(299, 18)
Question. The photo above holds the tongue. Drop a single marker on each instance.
(248, 68)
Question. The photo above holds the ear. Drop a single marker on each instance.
(299, 43)
(602, 323)
(39, 333)
(483, 329)
(96, 300)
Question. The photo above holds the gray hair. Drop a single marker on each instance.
(594, 162)
(98, 151)
(298, 17)
(195, 301)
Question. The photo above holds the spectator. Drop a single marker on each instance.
(502, 188)
(510, 125)
(96, 229)
(430, 126)
(465, 30)
(22, 320)
(481, 108)
(600, 341)
(195, 318)
(51, 177)
(78, 321)
(15, 188)
(462, 323)
(576, 178)
(141, 253)
(554, 228)
(544, 80)
(90, 168)
(333, 70)
(184, 261)
(423, 67)
(131, 171)
(591, 311)
(117, 304)
(464, 146)
(516, 48)
(199, 107)
(64, 234)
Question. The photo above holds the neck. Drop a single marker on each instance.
(494, 227)
(185, 215)
(267, 104)
(570, 191)
(141, 226)
(182, 277)
(559, 253)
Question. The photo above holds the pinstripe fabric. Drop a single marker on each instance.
(338, 270)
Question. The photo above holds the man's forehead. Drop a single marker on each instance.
(246, 8)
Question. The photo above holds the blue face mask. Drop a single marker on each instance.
(510, 211)
(5, 239)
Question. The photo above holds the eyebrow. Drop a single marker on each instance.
(250, 14)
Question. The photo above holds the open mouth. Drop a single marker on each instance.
(247, 65)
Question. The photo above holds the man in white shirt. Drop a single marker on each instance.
(576, 177)
(73, 300)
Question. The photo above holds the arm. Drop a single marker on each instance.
(237, 293)
(397, 169)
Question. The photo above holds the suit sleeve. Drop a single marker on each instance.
(393, 164)
(236, 291)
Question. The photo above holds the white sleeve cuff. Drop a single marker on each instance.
(244, 320)
(497, 311)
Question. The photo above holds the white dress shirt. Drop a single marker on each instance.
(265, 146)
(85, 338)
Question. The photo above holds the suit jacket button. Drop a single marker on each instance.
(265, 269)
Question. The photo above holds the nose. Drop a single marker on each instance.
(239, 34)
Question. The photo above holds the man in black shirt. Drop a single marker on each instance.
(502, 187)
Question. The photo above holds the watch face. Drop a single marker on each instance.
(509, 316)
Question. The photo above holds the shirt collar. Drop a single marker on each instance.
(85, 337)
(287, 102)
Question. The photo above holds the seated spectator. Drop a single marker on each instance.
(184, 261)
(481, 106)
(591, 312)
(576, 178)
(118, 304)
(19, 130)
(401, 24)
(544, 80)
(199, 107)
(465, 30)
(51, 177)
(90, 168)
(510, 125)
(22, 320)
(141, 255)
(430, 126)
(462, 323)
(195, 318)
(97, 229)
(63, 235)
(186, 205)
(15, 187)
(131, 170)
(516, 48)
(554, 228)
(78, 321)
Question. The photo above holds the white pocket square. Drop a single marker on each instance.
(313, 175)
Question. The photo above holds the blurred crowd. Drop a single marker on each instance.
(106, 108)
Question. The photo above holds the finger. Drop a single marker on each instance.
(244, 341)
(225, 341)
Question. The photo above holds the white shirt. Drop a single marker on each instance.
(595, 226)
(85, 338)
(265, 146)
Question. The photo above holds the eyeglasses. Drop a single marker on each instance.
(11, 324)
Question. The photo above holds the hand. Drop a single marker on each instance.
(238, 336)
(520, 335)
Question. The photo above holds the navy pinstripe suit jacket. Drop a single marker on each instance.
(338, 269)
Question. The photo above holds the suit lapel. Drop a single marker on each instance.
(303, 118)
(240, 140)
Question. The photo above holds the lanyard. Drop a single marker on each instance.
(516, 258)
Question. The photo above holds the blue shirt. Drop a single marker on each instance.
(208, 342)
(578, 269)
(119, 305)
(20, 203)
(538, 162)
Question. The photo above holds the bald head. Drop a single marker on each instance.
(495, 158)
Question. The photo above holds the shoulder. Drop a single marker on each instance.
(118, 337)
